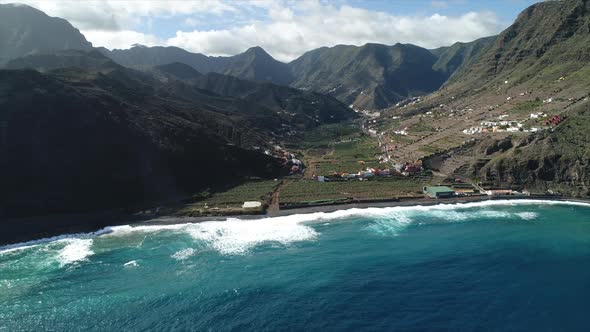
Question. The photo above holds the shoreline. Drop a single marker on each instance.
(19, 230)
(171, 220)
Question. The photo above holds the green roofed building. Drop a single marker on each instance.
(439, 192)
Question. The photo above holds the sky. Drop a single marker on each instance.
(284, 28)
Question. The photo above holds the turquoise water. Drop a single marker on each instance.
(472, 267)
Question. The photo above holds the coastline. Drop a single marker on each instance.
(170, 220)
(38, 228)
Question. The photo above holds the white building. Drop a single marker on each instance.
(251, 205)
(537, 115)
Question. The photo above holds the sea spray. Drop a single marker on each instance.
(34, 243)
(184, 254)
(235, 236)
(226, 236)
(75, 250)
(528, 215)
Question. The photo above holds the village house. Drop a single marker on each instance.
(439, 192)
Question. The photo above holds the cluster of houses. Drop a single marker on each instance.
(509, 125)
(290, 162)
(497, 127)
(514, 126)
(400, 169)
(408, 168)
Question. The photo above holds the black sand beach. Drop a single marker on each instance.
(26, 229)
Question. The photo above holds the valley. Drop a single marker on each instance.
(344, 124)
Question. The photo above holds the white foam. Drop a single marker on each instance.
(390, 224)
(450, 215)
(493, 214)
(236, 236)
(131, 264)
(75, 250)
(528, 215)
(34, 243)
(127, 229)
(183, 254)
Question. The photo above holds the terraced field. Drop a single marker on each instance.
(236, 196)
(351, 156)
(308, 191)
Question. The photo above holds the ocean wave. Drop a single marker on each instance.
(131, 264)
(183, 254)
(34, 243)
(234, 236)
(237, 236)
(528, 215)
(391, 221)
(75, 250)
(389, 224)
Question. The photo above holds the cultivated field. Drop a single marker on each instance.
(308, 191)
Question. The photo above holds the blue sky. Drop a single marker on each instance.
(506, 10)
(285, 28)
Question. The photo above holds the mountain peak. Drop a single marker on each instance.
(27, 30)
(257, 51)
(18, 5)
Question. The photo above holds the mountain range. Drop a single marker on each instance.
(190, 121)
(372, 76)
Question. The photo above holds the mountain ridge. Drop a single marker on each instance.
(374, 76)
(25, 30)
(386, 73)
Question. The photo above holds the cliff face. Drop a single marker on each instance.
(454, 59)
(548, 40)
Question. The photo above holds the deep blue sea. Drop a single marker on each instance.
(490, 266)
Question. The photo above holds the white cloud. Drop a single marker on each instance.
(290, 33)
(124, 14)
(121, 39)
(285, 29)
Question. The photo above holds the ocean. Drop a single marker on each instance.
(488, 266)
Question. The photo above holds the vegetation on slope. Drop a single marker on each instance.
(101, 140)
